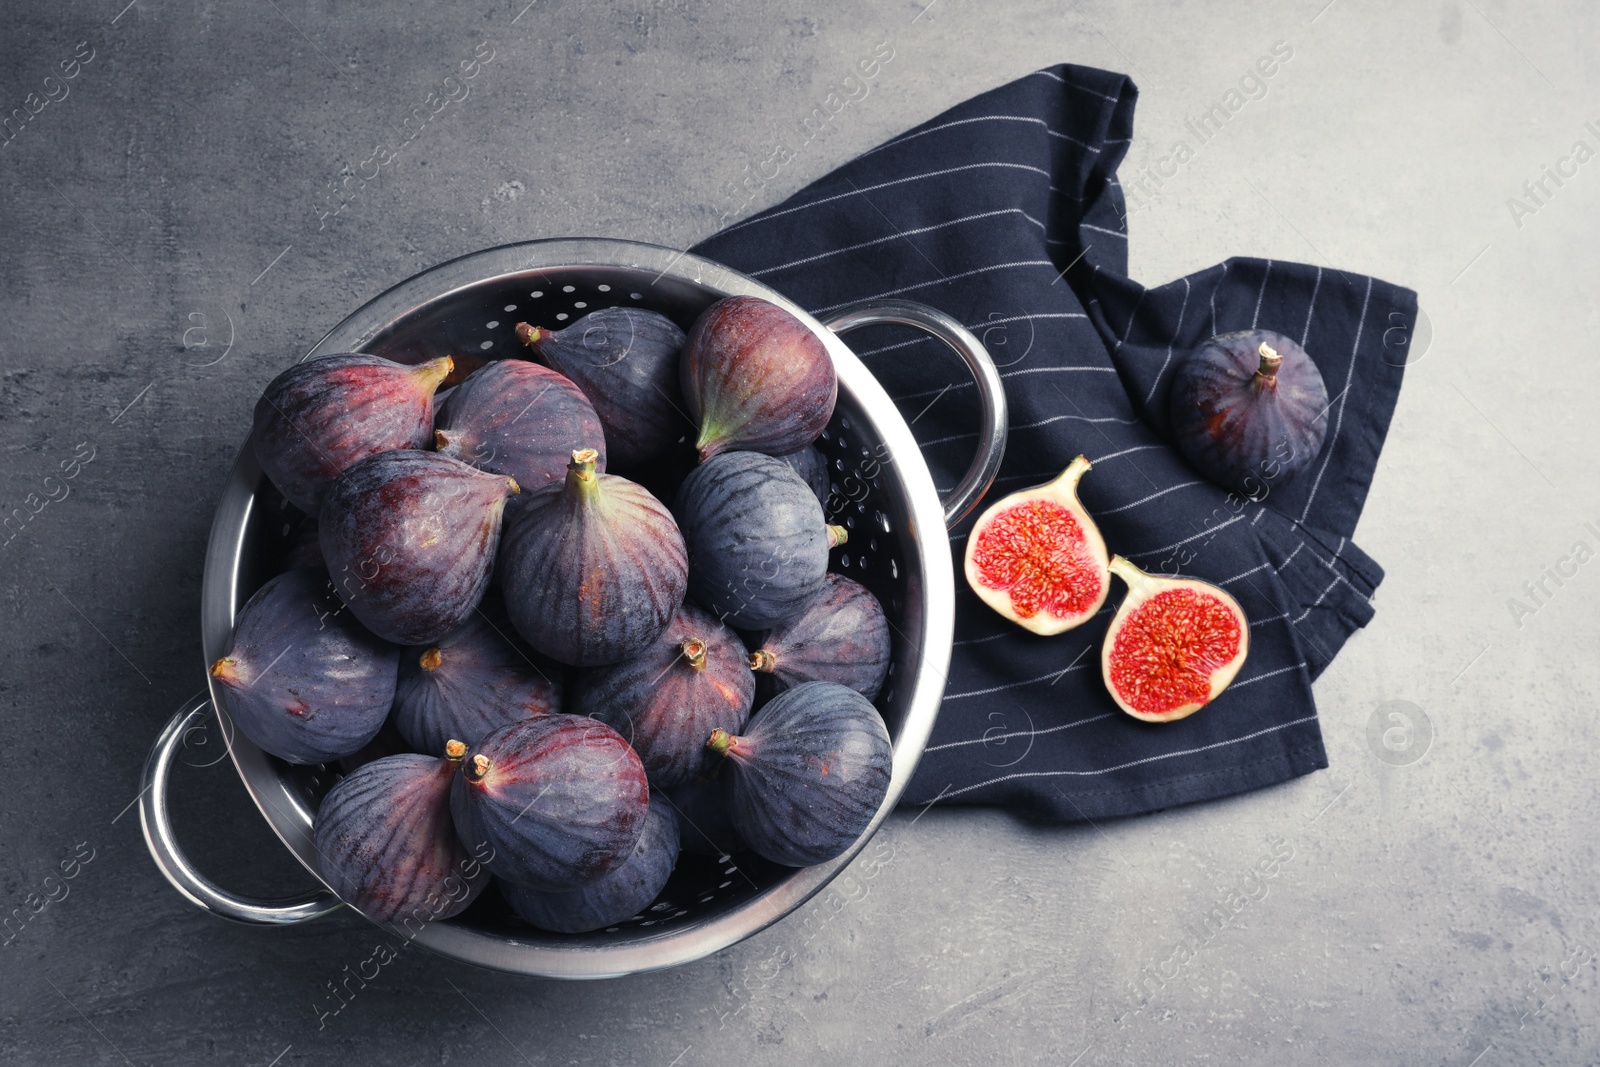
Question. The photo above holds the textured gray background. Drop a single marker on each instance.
(1433, 910)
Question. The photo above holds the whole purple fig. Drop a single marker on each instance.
(758, 542)
(474, 681)
(842, 636)
(1249, 409)
(755, 377)
(318, 418)
(622, 894)
(386, 843)
(592, 572)
(518, 419)
(410, 539)
(555, 802)
(666, 700)
(301, 677)
(809, 773)
(626, 362)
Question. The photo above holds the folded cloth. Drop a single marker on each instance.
(1006, 212)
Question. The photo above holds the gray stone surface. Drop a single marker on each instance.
(163, 255)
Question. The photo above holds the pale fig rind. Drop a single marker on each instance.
(519, 419)
(1199, 657)
(319, 417)
(626, 362)
(1037, 557)
(842, 636)
(622, 894)
(301, 677)
(756, 378)
(386, 843)
(410, 541)
(592, 572)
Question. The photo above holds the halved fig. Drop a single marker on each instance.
(1173, 646)
(1037, 558)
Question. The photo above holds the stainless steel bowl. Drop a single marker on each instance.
(883, 494)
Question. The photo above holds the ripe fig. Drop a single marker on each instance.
(704, 813)
(808, 774)
(758, 541)
(320, 417)
(622, 894)
(1248, 409)
(626, 362)
(518, 419)
(387, 846)
(301, 677)
(474, 681)
(756, 378)
(812, 467)
(842, 636)
(667, 699)
(410, 539)
(592, 572)
(560, 799)
(1173, 645)
(1037, 557)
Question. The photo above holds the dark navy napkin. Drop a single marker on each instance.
(1006, 212)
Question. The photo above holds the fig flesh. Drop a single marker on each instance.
(1037, 558)
(755, 377)
(470, 683)
(521, 420)
(622, 894)
(554, 802)
(386, 843)
(809, 773)
(1249, 409)
(301, 677)
(842, 636)
(320, 417)
(1173, 645)
(410, 539)
(626, 362)
(592, 572)
(667, 699)
(758, 541)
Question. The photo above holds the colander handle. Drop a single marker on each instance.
(196, 887)
(991, 394)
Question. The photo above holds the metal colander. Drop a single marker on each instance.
(881, 492)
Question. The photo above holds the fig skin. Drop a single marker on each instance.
(320, 417)
(622, 894)
(1249, 409)
(386, 843)
(301, 677)
(758, 541)
(666, 700)
(592, 572)
(1120, 664)
(756, 378)
(703, 810)
(469, 684)
(559, 799)
(1047, 595)
(410, 538)
(519, 419)
(626, 362)
(812, 467)
(842, 636)
(809, 773)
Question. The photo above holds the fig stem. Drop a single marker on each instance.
(225, 670)
(763, 660)
(1075, 470)
(721, 741)
(441, 441)
(581, 476)
(454, 750)
(431, 373)
(837, 535)
(531, 335)
(1135, 578)
(1271, 360)
(477, 768)
(430, 660)
(694, 650)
